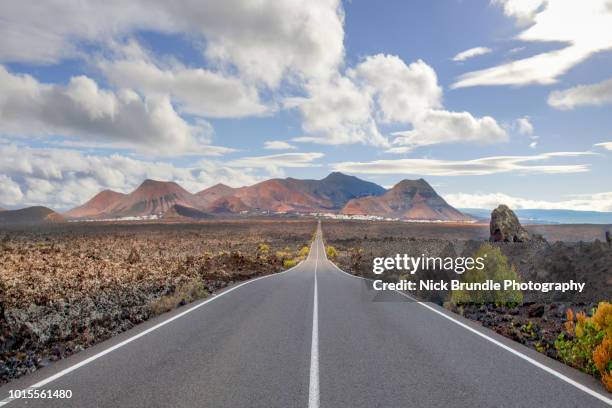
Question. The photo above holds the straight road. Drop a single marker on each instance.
(313, 336)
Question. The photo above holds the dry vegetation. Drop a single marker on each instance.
(66, 288)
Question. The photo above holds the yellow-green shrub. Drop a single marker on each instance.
(304, 252)
(263, 248)
(331, 252)
(290, 263)
(497, 269)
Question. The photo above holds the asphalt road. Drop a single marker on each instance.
(267, 343)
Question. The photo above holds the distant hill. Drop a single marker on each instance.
(99, 204)
(537, 216)
(214, 193)
(30, 216)
(408, 200)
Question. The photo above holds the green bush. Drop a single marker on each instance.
(497, 269)
(304, 252)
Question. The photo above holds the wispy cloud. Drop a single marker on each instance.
(475, 167)
(583, 28)
(278, 145)
(581, 95)
(471, 53)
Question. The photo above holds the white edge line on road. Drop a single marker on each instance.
(80, 364)
(313, 389)
(525, 357)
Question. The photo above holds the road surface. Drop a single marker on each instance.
(313, 336)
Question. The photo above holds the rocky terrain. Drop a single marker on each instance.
(66, 287)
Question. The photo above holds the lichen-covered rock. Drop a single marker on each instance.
(505, 226)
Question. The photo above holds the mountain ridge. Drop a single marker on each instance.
(335, 193)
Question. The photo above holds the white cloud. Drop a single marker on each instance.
(265, 41)
(198, 91)
(403, 92)
(81, 109)
(10, 192)
(590, 202)
(524, 11)
(440, 126)
(584, 27)
(65, 178)
(383, 89)
(595, 94)
(475, 167)
(337, 112)
(605, 145)
(274, 164)
(524, 126)
(278, 145)
(277, 160)
(471, 53)
(533, 145)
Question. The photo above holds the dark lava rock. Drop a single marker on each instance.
(505, 226)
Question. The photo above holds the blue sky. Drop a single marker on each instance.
(490, 101)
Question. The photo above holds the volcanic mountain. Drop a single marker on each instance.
(408, 200)
(150, 198)
(289, 195)
(97, 205)
(214, 193)
(30, 216)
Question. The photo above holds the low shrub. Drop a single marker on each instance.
(183, 294)
(587, 343)
(290, 263)
(331, 251)
(304, 252)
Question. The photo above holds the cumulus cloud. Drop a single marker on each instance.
(524, 126)
(475, 167)
(10, 192)
(524, 11)
(590, 202)
(264, 42)
(384, 89)
(471, 53)
(581, 95)
(278, 145)
(65, 178)
(402, 92)
(197, 91)
(336, 112)
(583, 28)
(440, 126)
(82, 109)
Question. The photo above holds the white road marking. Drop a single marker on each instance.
(70, 369)
(313, 389)
(525, 357)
